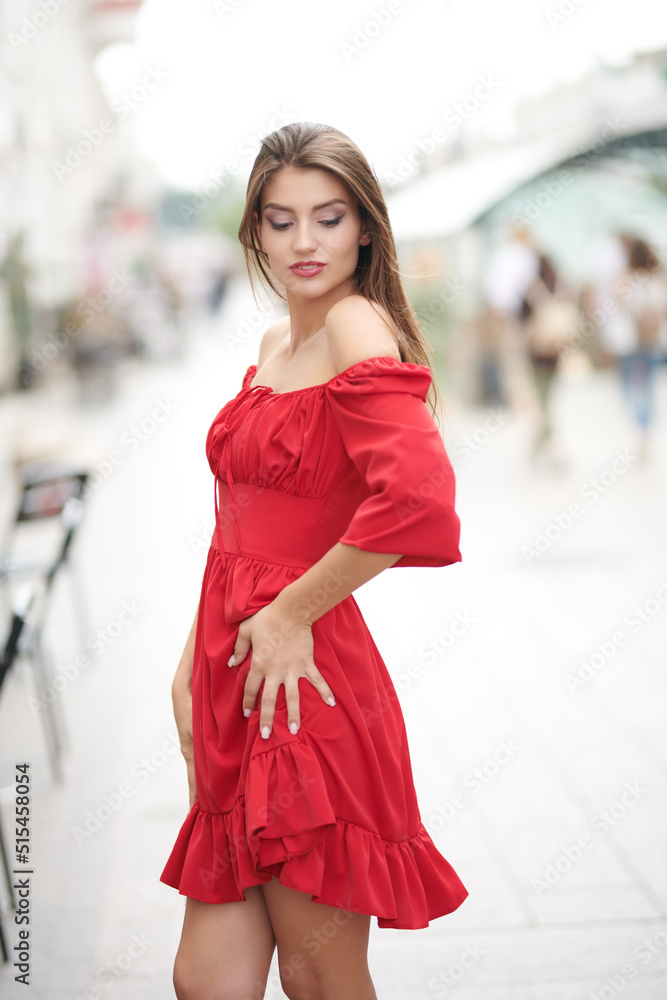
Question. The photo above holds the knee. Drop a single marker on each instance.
(298, 981)
(300, 989)
(190, 984)
(307, 982)
(326, 982)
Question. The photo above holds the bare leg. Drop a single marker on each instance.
(322, 951)
(225, 950)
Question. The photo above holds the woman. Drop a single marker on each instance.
(329, 467)
(552, 322)
(641, 315)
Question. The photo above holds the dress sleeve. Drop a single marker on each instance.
(379, 406)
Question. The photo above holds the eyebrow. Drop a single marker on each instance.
(317, 208)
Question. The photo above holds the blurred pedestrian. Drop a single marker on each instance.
(637, 334)
(512, 267)
(551, 322)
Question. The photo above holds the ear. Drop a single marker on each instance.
(364, 239)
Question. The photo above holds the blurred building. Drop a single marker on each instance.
(579, 163)
(67, 158)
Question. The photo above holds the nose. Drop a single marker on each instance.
(305, 239)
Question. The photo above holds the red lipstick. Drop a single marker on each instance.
(307, 268)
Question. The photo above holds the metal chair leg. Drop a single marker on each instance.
(51, 732)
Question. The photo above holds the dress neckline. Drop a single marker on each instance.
(321, 385)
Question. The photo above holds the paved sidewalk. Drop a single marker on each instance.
(531, 678)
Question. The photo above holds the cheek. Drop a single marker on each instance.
(344, 244)
(271, 244)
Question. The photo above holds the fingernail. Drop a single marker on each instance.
(265, 732)
(230, 661)
(331, 702)
(293, 728)
(247, 712)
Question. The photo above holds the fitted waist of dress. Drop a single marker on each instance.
(275, 526)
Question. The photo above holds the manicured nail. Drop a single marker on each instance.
(247, 712)
(293, 728)
(331, 702)
(230, 661)
(266, 732)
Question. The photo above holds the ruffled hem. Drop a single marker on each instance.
(285, 826)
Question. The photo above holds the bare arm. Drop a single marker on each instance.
(181, 694)
(280, 633)
(327, 582)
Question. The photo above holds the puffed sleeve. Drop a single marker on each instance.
(379, 406)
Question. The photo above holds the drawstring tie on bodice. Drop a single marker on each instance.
(225, 431)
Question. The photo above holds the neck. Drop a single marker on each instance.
(307, 316)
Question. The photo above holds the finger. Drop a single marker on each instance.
(253, 682)
(292, 701)
(267, 711)
(319, 683)
(241, 647)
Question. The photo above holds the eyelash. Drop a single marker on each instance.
(329, 223)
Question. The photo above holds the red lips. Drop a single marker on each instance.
(307, 268)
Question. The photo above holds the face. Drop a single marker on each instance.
(311, 231)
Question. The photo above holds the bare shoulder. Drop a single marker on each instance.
(356, 329)
(272, 337)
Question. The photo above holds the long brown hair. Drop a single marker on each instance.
(307, 145)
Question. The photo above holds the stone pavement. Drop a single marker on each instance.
(530, 675)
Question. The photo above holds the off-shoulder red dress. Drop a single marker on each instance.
(331, 811)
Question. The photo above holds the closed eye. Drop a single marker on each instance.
(329, 223)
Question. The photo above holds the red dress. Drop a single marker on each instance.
(331, 811)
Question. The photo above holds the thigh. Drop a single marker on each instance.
(225, 949)
(322, 950)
